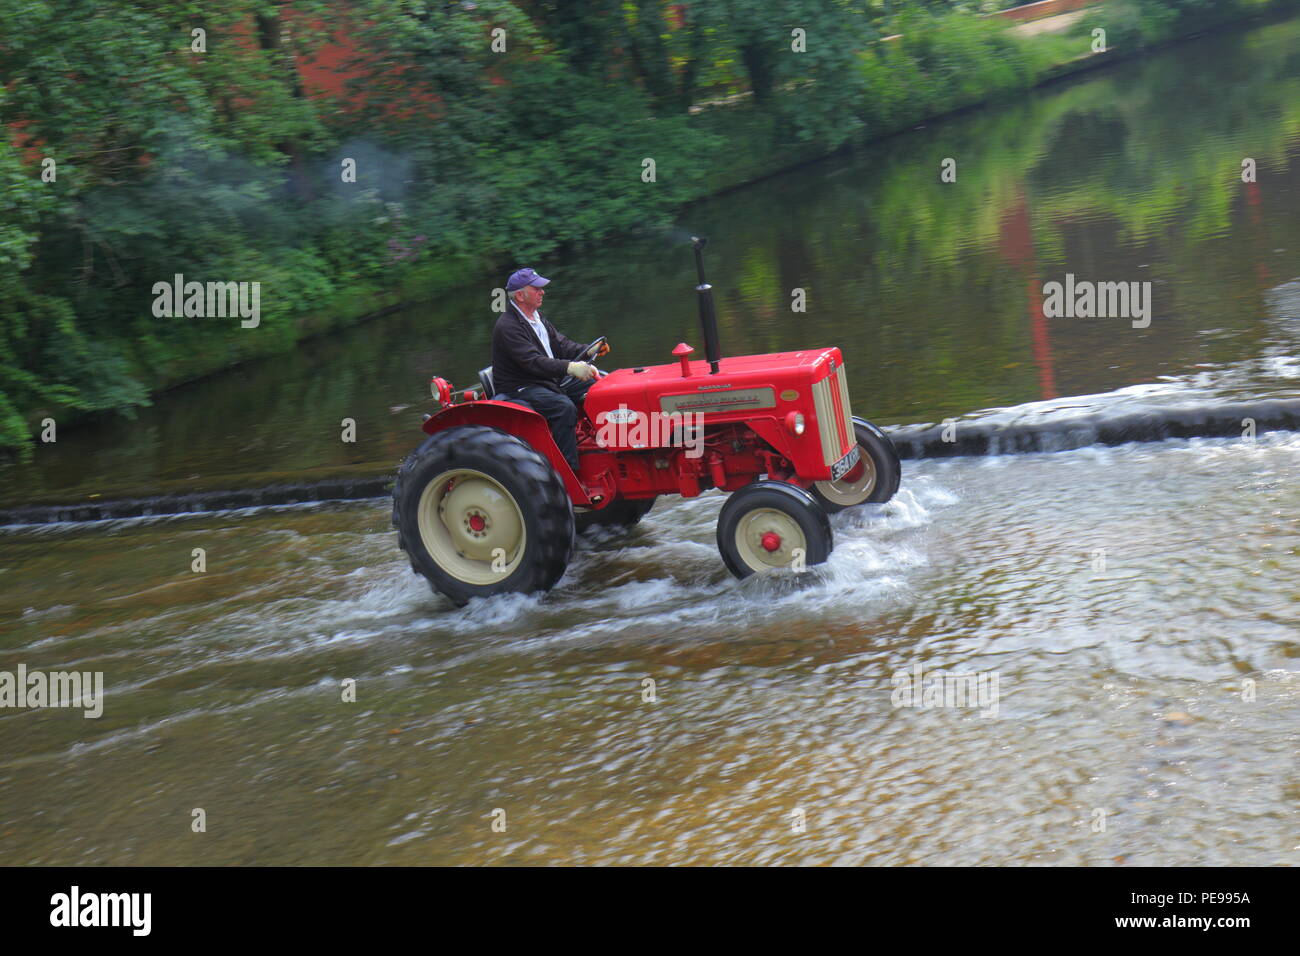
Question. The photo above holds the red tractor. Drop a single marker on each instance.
(487, 504)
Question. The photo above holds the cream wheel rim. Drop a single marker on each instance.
(855, 487)
(471, 526)
(767, 538)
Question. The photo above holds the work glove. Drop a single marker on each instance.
(581, 370)
(604, 349)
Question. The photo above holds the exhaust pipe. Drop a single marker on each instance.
(708, 319)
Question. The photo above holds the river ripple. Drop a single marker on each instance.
(1120, 689)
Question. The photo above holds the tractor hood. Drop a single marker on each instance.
(762, 391)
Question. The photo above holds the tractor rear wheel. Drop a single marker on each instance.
(480, 512)
(622, 513)
(772, 524)
(873, 479)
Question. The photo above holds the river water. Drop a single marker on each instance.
(1135, 607)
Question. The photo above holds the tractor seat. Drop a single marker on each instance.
(490, 389)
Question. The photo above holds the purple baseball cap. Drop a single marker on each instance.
(523, 277)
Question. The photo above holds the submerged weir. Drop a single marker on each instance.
(1039, 427)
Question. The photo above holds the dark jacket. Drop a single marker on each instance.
(518, 357)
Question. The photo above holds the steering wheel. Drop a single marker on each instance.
(586, 355)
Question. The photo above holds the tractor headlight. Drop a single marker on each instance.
(794, 421)
(441, 389)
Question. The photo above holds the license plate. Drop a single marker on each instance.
(841, 467)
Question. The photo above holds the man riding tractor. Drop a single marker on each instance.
(489, 502)
(532, 363)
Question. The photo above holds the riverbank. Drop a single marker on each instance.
(936, 69)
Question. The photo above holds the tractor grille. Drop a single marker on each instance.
(834, 421)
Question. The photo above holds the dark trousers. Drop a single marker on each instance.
(560, 409)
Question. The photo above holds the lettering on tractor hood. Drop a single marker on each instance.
(729, 401)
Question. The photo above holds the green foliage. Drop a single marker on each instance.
(940, 64)
(168, 161)
(1132, 24)
(800, 58)
(1138, 24)
(579, 183)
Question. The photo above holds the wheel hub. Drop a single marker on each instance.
(481, 519)
(471, 526)
(767, 538)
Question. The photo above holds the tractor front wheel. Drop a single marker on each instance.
(772, 524)
(479, 512)
(873, 479)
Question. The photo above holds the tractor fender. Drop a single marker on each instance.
(524, 423)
